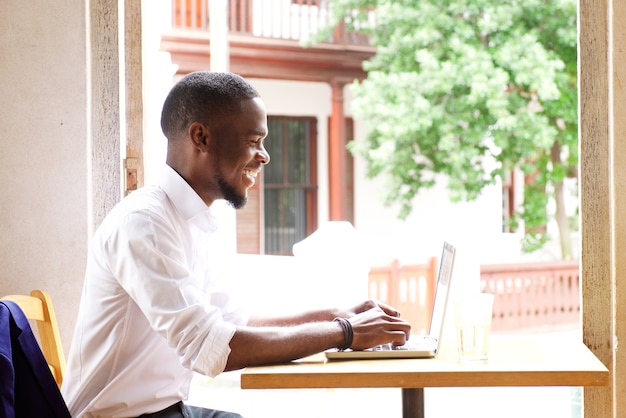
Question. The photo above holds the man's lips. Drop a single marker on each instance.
(250, 176)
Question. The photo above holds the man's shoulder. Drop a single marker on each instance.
(151, 197)
(148, 199)
(149, 203)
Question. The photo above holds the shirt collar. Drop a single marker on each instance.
(187, 202)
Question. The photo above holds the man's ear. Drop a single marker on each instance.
(199, 135)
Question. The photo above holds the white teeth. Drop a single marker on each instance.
(251, 173)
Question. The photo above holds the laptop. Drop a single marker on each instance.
(417, 346)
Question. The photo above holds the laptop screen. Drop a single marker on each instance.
(441, 292)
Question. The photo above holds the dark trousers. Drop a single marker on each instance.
(180, 410)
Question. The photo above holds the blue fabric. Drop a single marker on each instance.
(27, 387)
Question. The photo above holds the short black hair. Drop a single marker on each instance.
(205, 97)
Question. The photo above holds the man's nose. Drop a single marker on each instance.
(263, 156)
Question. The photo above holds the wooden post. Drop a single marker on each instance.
(617, 149)
(133, 164)
(603, 195)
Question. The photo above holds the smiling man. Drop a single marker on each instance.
(151, 311)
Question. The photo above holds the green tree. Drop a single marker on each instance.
(470, 89)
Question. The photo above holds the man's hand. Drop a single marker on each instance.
(377, 326)
(371, 304)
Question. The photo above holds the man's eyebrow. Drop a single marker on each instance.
(258, 132)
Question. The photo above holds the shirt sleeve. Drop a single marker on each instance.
(149, 257)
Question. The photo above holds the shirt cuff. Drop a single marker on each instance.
(213, 355)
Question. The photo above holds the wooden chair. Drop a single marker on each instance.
(38, 307)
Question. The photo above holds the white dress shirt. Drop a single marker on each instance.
(151, 313)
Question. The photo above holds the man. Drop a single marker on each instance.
(151, 313)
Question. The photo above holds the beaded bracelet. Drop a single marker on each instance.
(348, 333)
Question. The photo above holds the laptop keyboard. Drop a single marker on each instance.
(417, 343)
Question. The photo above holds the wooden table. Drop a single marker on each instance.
(513, 361)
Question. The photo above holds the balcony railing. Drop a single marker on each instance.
(408, 288)
(527, 296)
(533, 295)
(298, 20)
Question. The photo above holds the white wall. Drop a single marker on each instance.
(43, 151)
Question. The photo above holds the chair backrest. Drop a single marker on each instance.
(38, 307)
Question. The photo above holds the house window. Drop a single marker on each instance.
(290, 189)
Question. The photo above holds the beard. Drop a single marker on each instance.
(231, 195)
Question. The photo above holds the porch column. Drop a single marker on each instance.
(218, 29)
(337, 154)
(104, 109)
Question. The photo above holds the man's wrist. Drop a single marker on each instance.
(348, 333)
